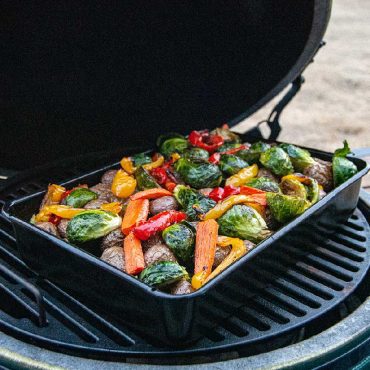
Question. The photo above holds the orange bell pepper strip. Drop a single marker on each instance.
(136, 211)
(134, 257)
(242, 176)
(123, 184)
(205, 247)
(150, 194)
(114, 207)
(54, 194)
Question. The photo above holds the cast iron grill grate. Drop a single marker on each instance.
(304, 280)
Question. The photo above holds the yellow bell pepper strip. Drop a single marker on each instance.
(114, 207)
(57, 210)
(128, 165)
(226, 204)
(238, 250)
(308, 181)
(175, 157)
(156, 163)
(205, 248)
(243, 176)
(123, 184)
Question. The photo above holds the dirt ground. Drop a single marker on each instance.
(334, 103)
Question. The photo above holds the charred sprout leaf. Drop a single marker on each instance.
(172, 144)
(343, 168)
(231, 164)
(145, 180)
(180, 239)
(196, 155)
(198, 175)
(252, 155)
(284, 207)
(299, 157)
(193, 203)
(79, 197)
(293, 188)
(265, 184)
(243, 222)
(228, 146)
(163, 273)
(92, 225)
(313, 191)
(141, 158)
(226, 134)
(277, 161)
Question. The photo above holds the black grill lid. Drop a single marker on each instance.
(80, 76)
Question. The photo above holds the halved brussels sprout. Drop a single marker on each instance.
(193, 203)
(79, 197)
(265, 184)
(199, 175)
(293, 188)
(230, 164)
(90, 225)
(145, 180)
(299, 157)
(180, 239)
(172, 143)
(284, 207)
(196, 155)
(343, 168)
(243, 222)
(277, 161)
(163, 273)
(252, 155)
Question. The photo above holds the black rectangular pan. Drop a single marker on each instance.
(161, 317)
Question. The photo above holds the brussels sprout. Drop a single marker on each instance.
(141, 158)
(299, 157)
(264, 184)
(144, 179)
(172, 143)
(196, 155)
(252, 155)
(90, 225)
(163, 273)
(343, 168)
(277, 161)
(284, 207)
(293, 188)
(243, 222)
(230, 164)
(192, 202)
(226, 134)
(79, 197)
(228, 146)
(199, 175)
(180, 239)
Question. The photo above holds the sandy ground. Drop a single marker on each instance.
(334, 103)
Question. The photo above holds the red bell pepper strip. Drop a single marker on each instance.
(235, 150)
(54, 219)
(159, 175)
(203, 139)
(157, 223)
(219, 193)
(214, 158)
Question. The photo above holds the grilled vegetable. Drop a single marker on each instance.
(174, 144)
(141, 158)
(79, 197)
(180, 239)
(293, 188)
(198, 174)
(145, 180)
(196, 155)
(243, 222)
(205, 140)
(137, 211)
(57, 210)
(227, 135)
(193, 203)
(284, 207)
(310, 190)
(123, 184)
(134, 257)
(151, 194)
(163, 273)
(299, 157)
(343, 168)
(277, 160)
(230, 164)
(90, 225)
(243, 176)
(229, 146)
(252, 155)
(264, 184)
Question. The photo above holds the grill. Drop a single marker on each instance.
(294, 286)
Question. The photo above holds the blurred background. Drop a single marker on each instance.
(334, 103)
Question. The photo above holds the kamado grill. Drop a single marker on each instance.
(108, 81)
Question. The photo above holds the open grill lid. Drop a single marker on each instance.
(84, 77)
